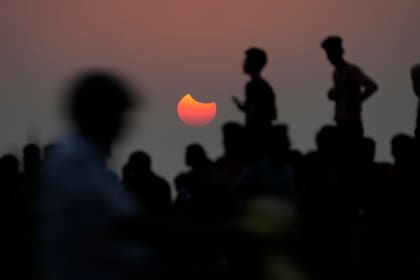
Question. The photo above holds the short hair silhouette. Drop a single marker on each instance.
(279, 138)
(140, 160)
(98, 101)
(326, 138)
(256, 59)
(31, 156)
(402, 148)
(233, 134)
(195, 155)
(9, 164)
(368, 149)
(334, 49)
(332, 43)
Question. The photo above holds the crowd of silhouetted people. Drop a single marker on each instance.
(262, 210)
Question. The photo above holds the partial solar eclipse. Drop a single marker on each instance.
(194, 113)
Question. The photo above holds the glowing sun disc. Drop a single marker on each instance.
(194, 113)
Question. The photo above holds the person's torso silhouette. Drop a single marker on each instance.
(259, 105)
(351, 88)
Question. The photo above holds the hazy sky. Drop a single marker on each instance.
(176, 46)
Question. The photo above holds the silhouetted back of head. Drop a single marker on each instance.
(98, 101)
(233, 136)
(368, 150)
(326, 139)
(278, 142)
(333, 46)
(255, 61)
(31, 158)
(140, 161)
(403, 149)
(9, 165)
(196, 156)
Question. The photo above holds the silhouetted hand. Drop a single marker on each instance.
(332, 94)
(238, 103)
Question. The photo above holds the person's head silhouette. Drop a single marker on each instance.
(278, 143)
(403, 147)
(140, 162)
(98, 103)
(255, 61)
(31, 158)
(233, 137)
(334, 49)
(9, 165)
(196, 156)
(368, 149)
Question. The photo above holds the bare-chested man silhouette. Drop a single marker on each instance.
(351, 88)
(259, 105)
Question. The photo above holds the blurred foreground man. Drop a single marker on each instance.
(82, 200)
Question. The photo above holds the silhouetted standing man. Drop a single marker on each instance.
(351, 88)
(259, 106)
(415, 76)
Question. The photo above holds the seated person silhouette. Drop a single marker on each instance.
(81, 199)
(232, 162)
(153, 192)
(259, 105)
(196, 185)
(273, 175)
(351, 88)
(415, 77)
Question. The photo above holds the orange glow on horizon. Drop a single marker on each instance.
(195, 113)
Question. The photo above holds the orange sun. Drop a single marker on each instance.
(194, 113)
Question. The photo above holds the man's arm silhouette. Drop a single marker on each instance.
(239, 104)
(368, 85)
(332, 95)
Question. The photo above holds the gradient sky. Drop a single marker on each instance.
(170, 47)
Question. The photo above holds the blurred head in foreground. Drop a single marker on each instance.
(98, 105)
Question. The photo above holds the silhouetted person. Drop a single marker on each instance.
(351, 88)
(82, 201)
(9, 173)
(31, 161)
(195, 186)
(27, 208)
(11, 233)
(153, 192)
(405, 201)
(415, 76)
(230, 165)
(273, 175)
(259, 105)
(402, 147)
(324, 206)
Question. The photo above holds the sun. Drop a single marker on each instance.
(194, 113)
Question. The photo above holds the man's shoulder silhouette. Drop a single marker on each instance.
(259, 88)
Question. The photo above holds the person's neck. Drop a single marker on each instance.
(255, 76)
(341, 64)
